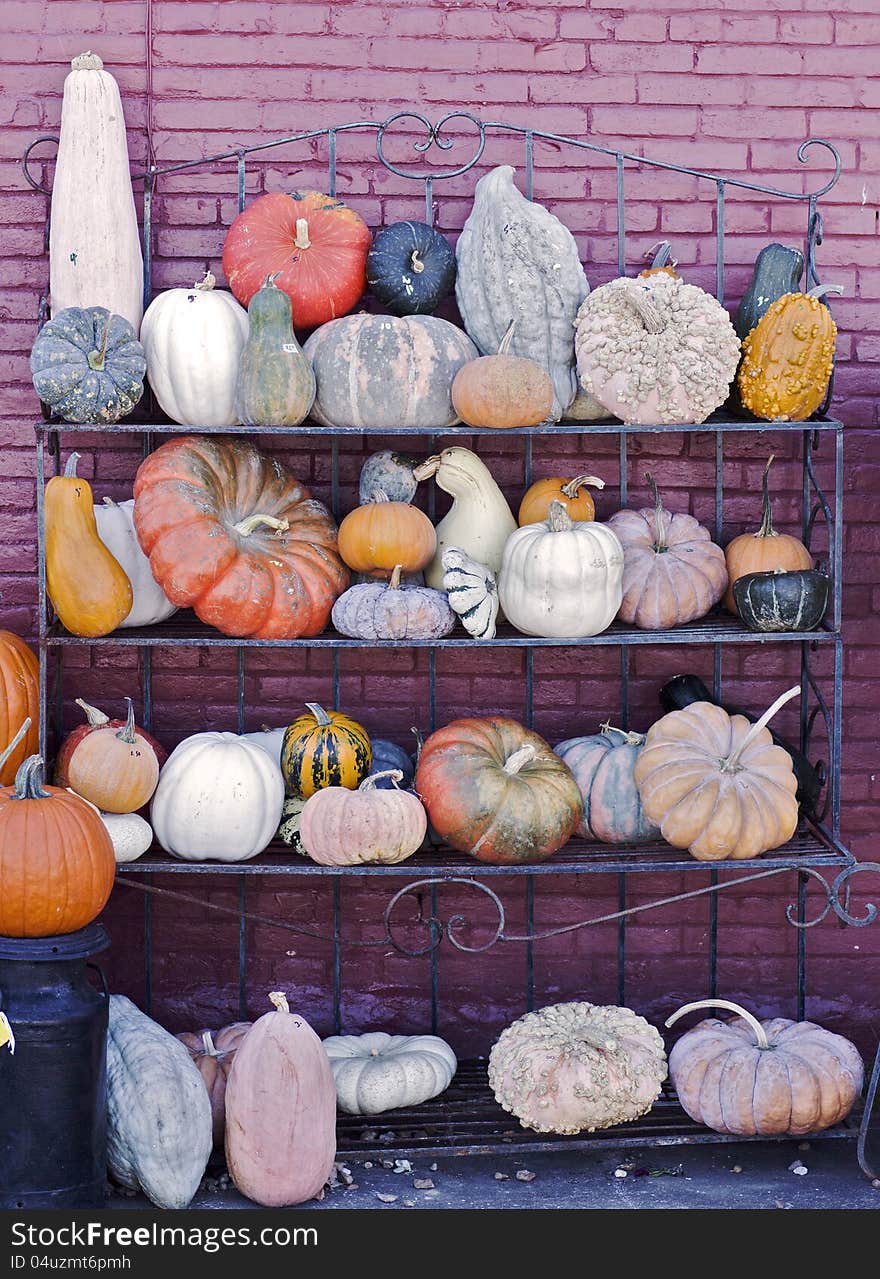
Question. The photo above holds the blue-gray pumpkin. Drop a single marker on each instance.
(388, 755)
(410, 268)
(88, 365)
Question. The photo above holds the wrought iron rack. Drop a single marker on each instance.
(466, 1119)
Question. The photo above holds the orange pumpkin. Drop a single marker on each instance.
(573, 494)
(788, 357)
(214, 1054)
(765, 551)
(502, 390)
(381, 535)
(87, 585)
(56, 857)
(19, 700)
(116, 769)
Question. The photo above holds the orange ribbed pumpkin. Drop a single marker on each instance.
(19, 700)
(382, 535)
(573, 494)
(765, 551)
(312, 243)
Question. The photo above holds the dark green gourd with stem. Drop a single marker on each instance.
(276, 385)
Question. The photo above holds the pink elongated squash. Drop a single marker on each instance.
(280, 1111)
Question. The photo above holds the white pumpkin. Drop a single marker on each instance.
(378, 1072)
(472, 592)
(115, 522)
(131, 835)
(159, 1126)
(562, 579)
(480, 521)
(193, 340)
(94, 245)
(268, 739)
(219, 798)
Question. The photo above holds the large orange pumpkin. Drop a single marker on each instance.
(56, 857)
(313, 244)
(231, 533)
(19, 700)
(765, 551)
(382, 535)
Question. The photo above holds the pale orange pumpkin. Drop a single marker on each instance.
(114, 768)
(765, 551)
(573, 494)
(379, 536)
(502, 390)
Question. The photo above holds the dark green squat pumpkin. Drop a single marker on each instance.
(410, 268)
(88, 365)
(276, 385)
(794, 601)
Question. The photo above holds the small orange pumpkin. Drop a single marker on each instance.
(788, 357)
(573, 494)
(379, 536)
(502, 390)
(765, 551)
(115, 768)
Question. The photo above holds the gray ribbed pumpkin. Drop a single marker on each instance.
(88, 365)
(516, 261)
(381, 370)
(603, 765)
(389, 611)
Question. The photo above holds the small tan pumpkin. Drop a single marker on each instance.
(213, 1054)
(573, 494)
(767, 1079)
(788, 357)
(363, 827)
(503, 390)
(716, 784)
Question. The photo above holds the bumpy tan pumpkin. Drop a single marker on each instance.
(577, 1067)
(767, 1079)
(673, 572)
(788, 357)
(716, 784)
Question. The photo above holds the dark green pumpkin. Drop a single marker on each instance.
(88, 365)
(778, 270)
(276, 385)
(410, 268)
(794, 601)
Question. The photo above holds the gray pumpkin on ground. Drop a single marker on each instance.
(392, 611)
(88, 365)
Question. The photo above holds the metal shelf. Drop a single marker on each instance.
(466, 1120)
(810, 847)
(185, 630)
(609, 426)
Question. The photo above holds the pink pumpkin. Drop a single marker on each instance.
(603, 766)
(368, 826)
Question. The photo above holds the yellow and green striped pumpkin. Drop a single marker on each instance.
(324, 748)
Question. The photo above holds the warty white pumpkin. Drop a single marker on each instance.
(94, 245)
(219, 798)
(115, 522)
(378, 1072)
(193, 340)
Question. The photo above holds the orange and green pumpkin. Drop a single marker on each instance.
(324, 748)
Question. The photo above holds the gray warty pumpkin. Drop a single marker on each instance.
(577, 1067)
(159, 1124)
(516, 261)
(380, 370)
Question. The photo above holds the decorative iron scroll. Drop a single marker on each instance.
(837, 896)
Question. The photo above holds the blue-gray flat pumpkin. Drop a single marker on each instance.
(88, 365)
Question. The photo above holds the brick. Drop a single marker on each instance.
(641, 57)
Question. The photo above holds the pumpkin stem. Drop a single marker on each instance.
(426, 469)
(96, 358)
(731, 764)
(416, 262)
(821, 289)
(631, 739)
(660, 530)
(758, 1030)
(420, 741)
(280, 1001)
(394, 583)
(658, 256)
(507, 341)
(571, 488)
(302, 240)
(395, 774)
(637, 296)
(206, 284)
(15, 741)
(519, 759)
(269, 282)
(126, 733)
(324, 720)
(247, 526)
(70, 468)
(29, 780)
(766, 529)
(208, 1044)
(95, 717)
(558, 519)
(378, 495)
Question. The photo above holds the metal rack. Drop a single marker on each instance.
(466, 1119)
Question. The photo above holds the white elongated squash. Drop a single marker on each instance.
(480, 521)
(516, 261)
(94, 245)
(115, 522)
(159, 1126)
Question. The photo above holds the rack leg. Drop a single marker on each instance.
(864, 1128)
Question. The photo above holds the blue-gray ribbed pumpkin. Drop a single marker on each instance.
(389, 755)
(410, 268)
(603, 766)
(88, 365)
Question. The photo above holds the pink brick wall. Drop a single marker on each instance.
(733, 91)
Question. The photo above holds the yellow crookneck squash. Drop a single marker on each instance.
(88, 587)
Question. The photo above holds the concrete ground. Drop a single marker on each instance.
(750, 1175)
